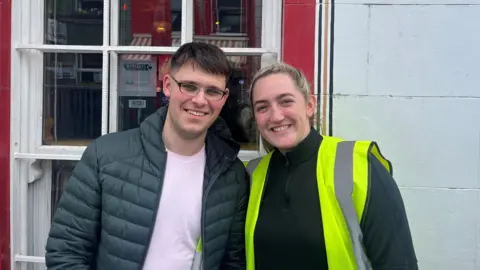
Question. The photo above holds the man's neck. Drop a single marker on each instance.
(177, 144)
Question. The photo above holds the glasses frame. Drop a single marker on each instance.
(198, 91)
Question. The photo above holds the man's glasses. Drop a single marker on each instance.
(191, 89)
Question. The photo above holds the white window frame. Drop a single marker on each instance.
(30, 160)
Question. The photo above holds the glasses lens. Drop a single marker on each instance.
(189, 89)
(210, 93)
(214, 94)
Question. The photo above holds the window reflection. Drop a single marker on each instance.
(176, 16)
(139, 88)
(74, 22)
(225, 23)
(230, 18)
(140, 93)
(72, 82)
(151, 19)
(61, 172)
(72, 98)
(228, 23)
(237, 111)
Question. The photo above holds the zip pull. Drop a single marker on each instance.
(287, 162)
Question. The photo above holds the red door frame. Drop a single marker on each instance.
(5, 45)
(298, 33)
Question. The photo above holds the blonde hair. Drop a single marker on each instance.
(298, 78)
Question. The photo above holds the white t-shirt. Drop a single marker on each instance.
(177, 227)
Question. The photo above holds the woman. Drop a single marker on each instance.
(318, 202)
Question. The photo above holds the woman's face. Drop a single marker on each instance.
(281, 112)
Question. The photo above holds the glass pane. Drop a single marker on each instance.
(61, 172)
(139, 88)
(238, 110)
(74, 22)
(149, 22)
(72, 98)
(140, 94)
(228, 23)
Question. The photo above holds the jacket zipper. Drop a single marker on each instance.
(287, 184)
(156, 212)
(204, 204)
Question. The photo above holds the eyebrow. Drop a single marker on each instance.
(277, 98)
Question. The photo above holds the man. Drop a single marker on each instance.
(171, 194)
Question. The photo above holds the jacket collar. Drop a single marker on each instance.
(305, 150)
(219, 144)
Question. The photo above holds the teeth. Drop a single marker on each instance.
(195, 113)
(280, 128)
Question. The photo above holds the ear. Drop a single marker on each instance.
(228, 93)
(311, 105)
(167, 84)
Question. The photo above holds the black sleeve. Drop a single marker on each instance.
(73, 238)
(234, 258)
(386, 232)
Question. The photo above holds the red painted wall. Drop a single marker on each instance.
(299, 36)
(5, 43)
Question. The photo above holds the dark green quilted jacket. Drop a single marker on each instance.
(107, 212)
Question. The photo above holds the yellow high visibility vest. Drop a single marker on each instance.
(343, 183)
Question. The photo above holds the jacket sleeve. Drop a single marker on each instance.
(386, 232)
(73, 238)
(234, 258)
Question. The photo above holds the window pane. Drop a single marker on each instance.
(140, 94)
(138, 89)
(237, 110)
(228, 23)
(72, 98)
(74, 22)
(61, 172)
(149, 22)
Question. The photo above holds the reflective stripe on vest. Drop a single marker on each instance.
(250, 167)
(197, 259)
(343, 182)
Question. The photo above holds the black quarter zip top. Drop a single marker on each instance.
(289, 231)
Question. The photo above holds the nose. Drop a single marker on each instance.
(277, 114)
(199, 99)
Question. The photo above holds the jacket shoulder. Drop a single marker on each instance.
(118, 146)
(238, 168)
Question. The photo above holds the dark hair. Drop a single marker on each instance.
(208, 57)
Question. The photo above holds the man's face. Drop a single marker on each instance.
(192, 114)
